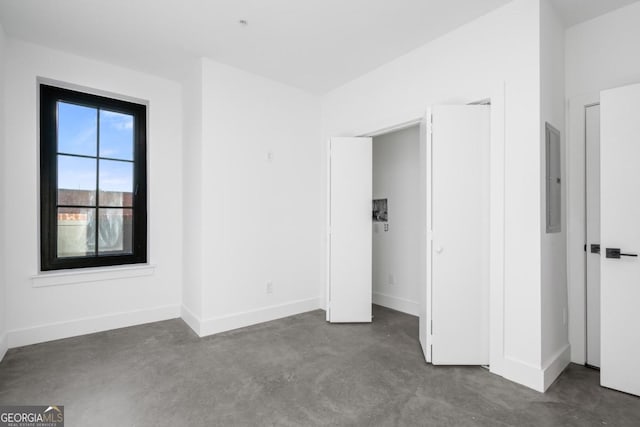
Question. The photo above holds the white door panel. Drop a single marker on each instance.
(458, 211)
(592, 135)
(620, 229)
(425, 156)
(350, 240)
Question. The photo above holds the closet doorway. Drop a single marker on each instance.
(396, 216)
(453, 233)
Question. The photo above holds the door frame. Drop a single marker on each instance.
(577, 223)
(496, 94)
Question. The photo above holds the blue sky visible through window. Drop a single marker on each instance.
(116, 135)
(77, 129)
(78, 134)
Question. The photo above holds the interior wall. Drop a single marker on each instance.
(260, 199)
(600, 54)
(603, 53)
(555, 341)
(396, 174)
(48, 306)
(192, 165)
(502, 49)
(3, 203)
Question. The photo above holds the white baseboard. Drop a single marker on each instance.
(539, 379)
(525, 374)
(395, 303)
(229, 322)
(554, 367)
(522, 373)
(88, 325)
(191, 319)
(4, 346)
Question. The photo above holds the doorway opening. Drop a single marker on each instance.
(451, 230)
(603, 235)
(592, 231)
(396, 216)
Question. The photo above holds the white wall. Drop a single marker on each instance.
(555, 341)
(462, 66)
(396, 174)
(192, 164)
(3, 179)
(600, 54)
(260, 198)
(603, 53)
(44, 313)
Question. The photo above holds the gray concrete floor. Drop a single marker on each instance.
(298, 371)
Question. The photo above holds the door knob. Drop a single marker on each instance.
(616, 254)
(439, 249)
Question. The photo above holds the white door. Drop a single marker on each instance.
(592, 145)
(458, 217)
(620, 239)
(350, 240)
(424, 333)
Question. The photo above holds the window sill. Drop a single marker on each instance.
(70, 277)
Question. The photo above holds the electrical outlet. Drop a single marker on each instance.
(269, 287)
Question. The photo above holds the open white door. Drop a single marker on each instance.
(350, 240)
(424, 321)
(620, 239)
(458, 219)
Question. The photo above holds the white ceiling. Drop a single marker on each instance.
(312, 44)
(316, 45)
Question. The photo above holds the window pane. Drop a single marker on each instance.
(76, 232)
(116, 183)
(77, 129)
(116, 135)
(115, 231)
(76, 180)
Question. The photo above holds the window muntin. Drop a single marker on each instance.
(93, 180)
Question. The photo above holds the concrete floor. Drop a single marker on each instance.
(298, 371)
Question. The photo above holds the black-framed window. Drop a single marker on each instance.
(93, 192)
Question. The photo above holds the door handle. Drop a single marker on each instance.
(616, 254)
(595, 249)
